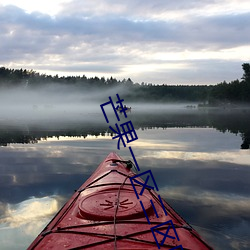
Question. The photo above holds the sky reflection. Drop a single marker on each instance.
(25, 219)
(199, 171)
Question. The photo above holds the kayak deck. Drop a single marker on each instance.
(105, 212)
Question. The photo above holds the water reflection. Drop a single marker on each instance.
(233, 121)
(29, 210)
(19, 222)
(200, 171)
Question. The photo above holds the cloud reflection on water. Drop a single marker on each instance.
(22, 222)
(214, 209)
(205, 180)
(29, 210)
(235, 156)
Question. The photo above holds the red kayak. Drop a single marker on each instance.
(116, 209)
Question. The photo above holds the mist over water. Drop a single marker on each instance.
(194, 153)
(59, 107)
(64, 103)
(55, 102)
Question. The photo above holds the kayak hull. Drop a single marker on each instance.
(107, 212)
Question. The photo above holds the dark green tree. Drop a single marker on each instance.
(246, 69)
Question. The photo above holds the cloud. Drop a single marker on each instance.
(29, 210)
(228, 203)
(26, 220)
(94, 38)
(115, 30)
(148, 10)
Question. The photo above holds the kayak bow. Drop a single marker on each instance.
(105, 213)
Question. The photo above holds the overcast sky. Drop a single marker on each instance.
(154, 41)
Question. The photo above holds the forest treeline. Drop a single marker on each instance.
(233, 121)
(236, 91)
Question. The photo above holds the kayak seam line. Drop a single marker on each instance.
(104, 175)
(187, 226)
(119, 237)
(171, 212)
(44, 233)
(111, 222)
(110, 184)
(64, 229)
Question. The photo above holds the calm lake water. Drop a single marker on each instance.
(196, 157)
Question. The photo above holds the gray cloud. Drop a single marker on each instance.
(197, 72)
(132, 8)
(224, 31)
(85, 68)
(109, 39)
(205, 30)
